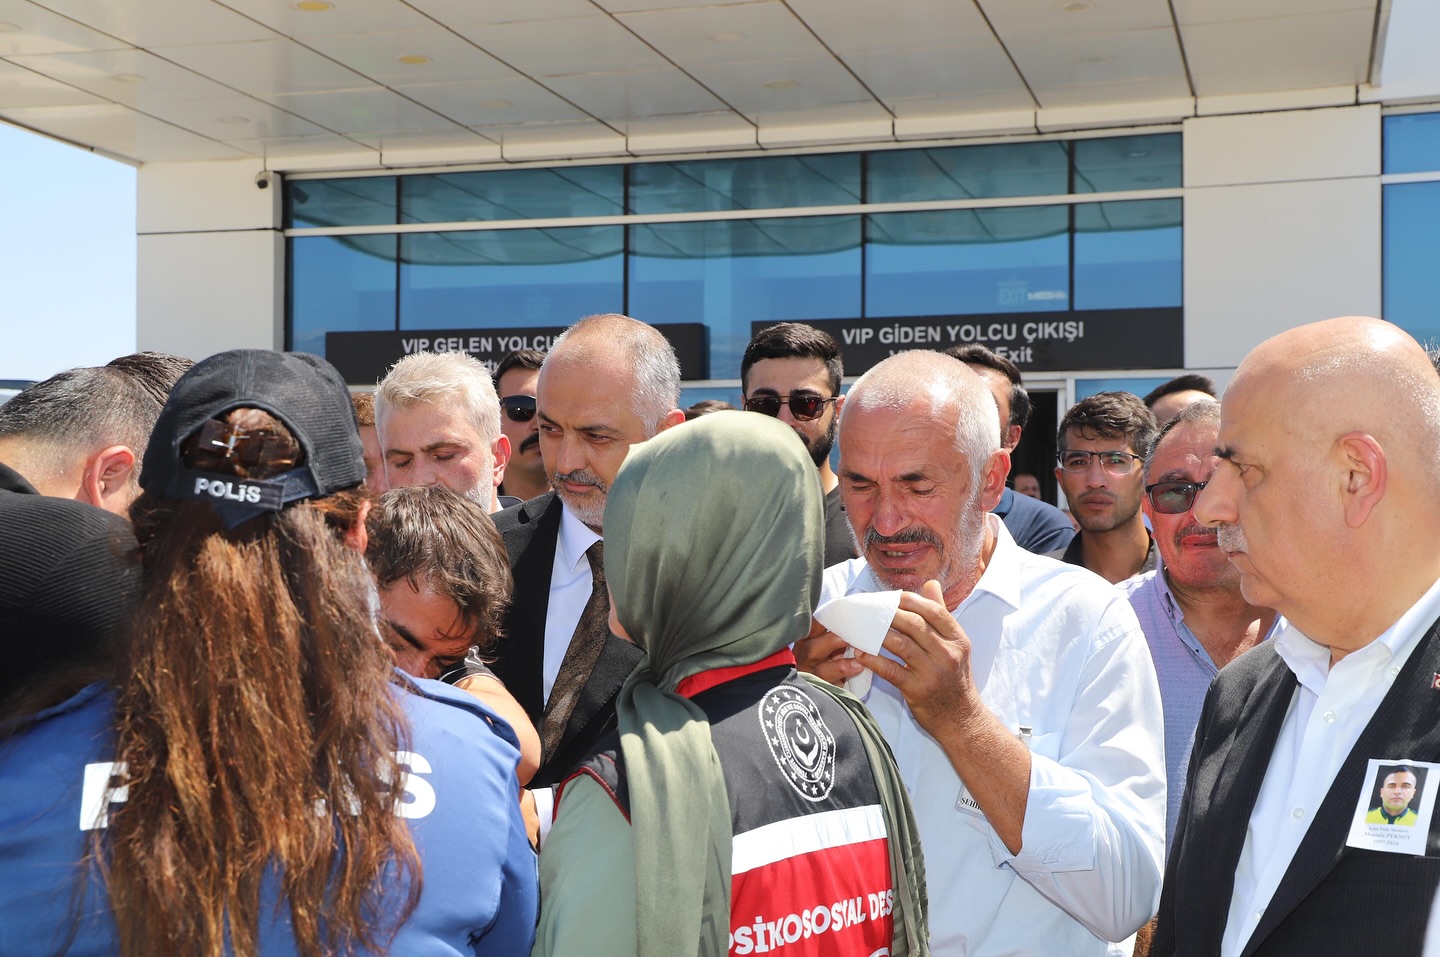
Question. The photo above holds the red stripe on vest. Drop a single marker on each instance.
(705, 680)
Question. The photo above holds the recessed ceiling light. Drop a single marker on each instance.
(1074, 6)
(233, 120)
(9, 28)
(727, 36)
(1092, 60)
(414, 59)
(1137, 154)
(128, 78)
(314, 6)
(780, 84)
(495, 104)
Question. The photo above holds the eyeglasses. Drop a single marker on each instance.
(1173, 498)
(1114, 463)
(803, 405)
(519, 408)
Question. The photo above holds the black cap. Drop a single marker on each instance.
(303, 391)
(69, 583)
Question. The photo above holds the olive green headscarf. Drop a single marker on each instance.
(714, 544)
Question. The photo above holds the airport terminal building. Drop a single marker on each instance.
(1107, 191)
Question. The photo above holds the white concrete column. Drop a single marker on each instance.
(211, 270)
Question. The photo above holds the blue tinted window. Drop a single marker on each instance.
(767, 182)
(358, 201)
(512, 194)
(1084, 388)
(967, 172)
(510, 277)
(1115, 163)
(1128, 255)
(967, 261)
(730, 274)
(1412, 143)
(340, 284)
(1411, 251)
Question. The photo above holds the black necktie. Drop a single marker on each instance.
(589, 638)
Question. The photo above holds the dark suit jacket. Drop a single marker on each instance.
(1333, 899)
(531, 530)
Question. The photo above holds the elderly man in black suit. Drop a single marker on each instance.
(1327, 500)
(610, 381)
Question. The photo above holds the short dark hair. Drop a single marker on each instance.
(1204, 412)
(1190, 381)
(705, 407)
(1111, 414)
(156, 371)
(974, 354)
(83, 409)
(519, 359)
(793, 340)
(430, 535)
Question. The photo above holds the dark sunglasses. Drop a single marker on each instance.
(1173, 498)
(803, 405)
(519, 408)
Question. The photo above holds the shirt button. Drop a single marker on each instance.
(1329, 717)
(1298, 813)
(1259, 914)
(1394, 670)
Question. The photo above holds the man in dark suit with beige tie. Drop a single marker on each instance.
(610, 381)
(1327, 500)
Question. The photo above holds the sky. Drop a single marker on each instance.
(67, 227)
(67, 256)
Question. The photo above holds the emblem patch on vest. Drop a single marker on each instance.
(800, 743)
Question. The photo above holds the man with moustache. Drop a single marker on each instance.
(608, 382)
(1101, 440)
(1015, 691)
(515, 379)
(1326, 499)
(792, 371)
(1195, 618)
(438, 422)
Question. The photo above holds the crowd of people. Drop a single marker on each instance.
(529, 660)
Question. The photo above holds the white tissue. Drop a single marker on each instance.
(862, 621)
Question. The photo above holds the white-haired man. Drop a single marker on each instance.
(1017, 693)
(609, 382)
(438, 421)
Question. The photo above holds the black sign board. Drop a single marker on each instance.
(1034, 341)
(364, 357)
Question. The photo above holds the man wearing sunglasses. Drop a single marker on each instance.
(792, 371)
(1195, 618)
(516, 378)
(1100, 440)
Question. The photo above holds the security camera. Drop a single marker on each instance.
(262, 179)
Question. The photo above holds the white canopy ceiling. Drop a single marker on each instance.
(363, 83)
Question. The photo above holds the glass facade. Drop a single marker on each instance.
(729, 243)
(1411, 226)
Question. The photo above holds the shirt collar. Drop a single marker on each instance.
(1311, 661)
(575, 540)
(1001, 578)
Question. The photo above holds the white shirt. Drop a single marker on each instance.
(1330, 708)
(570, 587)
(1057, 649)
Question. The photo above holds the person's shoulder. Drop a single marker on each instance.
(434, 706)
(1145, 581)
(1037, 526)
(515, 517)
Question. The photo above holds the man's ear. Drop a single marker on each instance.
(501, 451)
(993, 478)
(108, 479)
(1364, 475)
(358, 537)
(672, 418)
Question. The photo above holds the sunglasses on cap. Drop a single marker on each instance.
(519, 408)
(1173, 498)
(804, 406)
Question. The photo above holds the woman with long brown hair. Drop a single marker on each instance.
(257, 778)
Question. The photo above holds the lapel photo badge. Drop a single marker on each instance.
(1395, 806)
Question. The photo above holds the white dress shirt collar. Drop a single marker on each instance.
(575, 540)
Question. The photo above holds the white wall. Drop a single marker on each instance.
(211, 259)
(1282, 225)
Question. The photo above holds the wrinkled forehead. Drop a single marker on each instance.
(1186, 451)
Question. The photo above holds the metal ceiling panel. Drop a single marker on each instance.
(267, 68)
(155, 23)
(636, 93)
(501, 102)
(29, 28)
(565, 47)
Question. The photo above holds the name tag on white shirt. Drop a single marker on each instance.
(1393, 811)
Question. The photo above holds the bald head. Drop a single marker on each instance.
(937, 385)
(1331, 485)
(607, 343)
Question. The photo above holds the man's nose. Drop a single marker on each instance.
(1215, 503)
